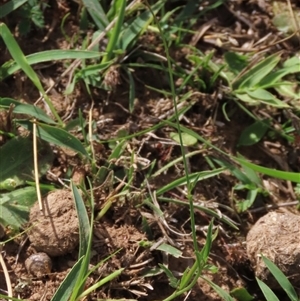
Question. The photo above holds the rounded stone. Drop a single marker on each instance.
(55, 229)
(276, 236)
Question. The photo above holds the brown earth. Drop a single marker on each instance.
(122, 229)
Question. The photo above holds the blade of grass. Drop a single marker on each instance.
(10, 6)
(269, 295)
(115, 33)
(284, 175)
(108, 278)
(26, 109)
(17, 54)
(60, 137)
(85, 239)
(64, 291)
(190, 178)
(11, 67)
(138, 26)
(97, 13)
(281, 278)
(222, 293)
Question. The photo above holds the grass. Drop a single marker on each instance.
(248, 83)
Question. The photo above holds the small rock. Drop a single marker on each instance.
(55, 230)
(277, 236)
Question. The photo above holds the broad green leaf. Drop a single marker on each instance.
(10, 6)
(242, 206)
(253, 76)
(236, 62)
(295, 60)
(16, 161)
(27, 109)
(260, 94)
(187, 139)
(15, 206)
(253, 133)
(60, 137)
(281, 278)
(241, 294)
(247, 98)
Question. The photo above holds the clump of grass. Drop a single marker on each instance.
(249, 85)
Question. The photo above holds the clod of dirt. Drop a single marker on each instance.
(38, 264)
(55, 230)
(276, 236)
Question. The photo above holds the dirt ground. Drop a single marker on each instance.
(122, 226)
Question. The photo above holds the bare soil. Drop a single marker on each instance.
(122, 226)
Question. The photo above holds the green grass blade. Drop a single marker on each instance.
(274, 77)
(197, 176)
(138, 26)
(131, 90)
(198, 207)
(11, 67)
(284, 175)
(65, 289)
(84, 223)
(10, 6)
(26, 109)
(96, 12)
(100, 283)
(281, 278)
(269, 295)
(17, 54)
(222, 293)
(115, 33)
(85, 241)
